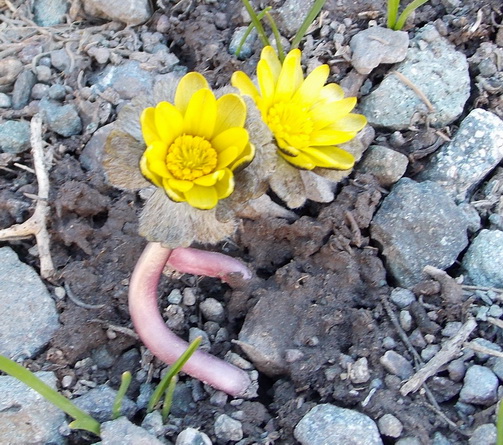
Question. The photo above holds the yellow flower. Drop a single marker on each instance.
(307, 117)
(195, 145)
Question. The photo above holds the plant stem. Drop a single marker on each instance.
(311, 16)
(161, 341)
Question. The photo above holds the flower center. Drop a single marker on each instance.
(190, 157)
(290, 122)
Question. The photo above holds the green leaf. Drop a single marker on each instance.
(310, 17)
(256, 22)
(411, 7)
(125, 382)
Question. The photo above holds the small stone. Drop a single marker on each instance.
(472, 216)
(292, 14)
(22, 89)
(360, 371)
(62, 119)
(123, 432)
(408, 441)
(57, 92)
(387, 165)
(191, 436)
(388, 343)
(429, 352)
(49, 12)
(5, 101)
(183, 402)
(390, 426)
(175, 296)
(99, 53)
(227, 428)
(9, 70)
(92, 154)
(102, 357)
(479, 387)
(496, 364)
(219, 399)
(247, 47)
(397, 364)
(131, 12)
(39, 90)
(456, 370)
(440, 439)
(486, 344)
(14, 137)
(417, 339)
(60, 60)
(451, 328)
(402, 297)
(205, 340)
(484, 434)
(43, 73)
(293, 355)
(405, 320)
(212, 310)
(153, 423)
(329, 424)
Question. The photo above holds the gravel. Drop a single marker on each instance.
(131, 12)
(62, 119)
(123, 432)
(479, 386)
(390, 426)
(228, 429)
(49, 12)
(191, 436)
(402, 297)
(397, 364)
(14, 136)
(22, 89)
(387, 165)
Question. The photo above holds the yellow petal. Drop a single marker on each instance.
(309, 91)
(180, 185)
(244, 84)
(227, 157)
(290, 78)
(225, 186)
(172, 194)
(157, 150)
(231, 112)
(271, 57)
(287, 149)
(236, 136)
(203, 198)
(152, 177)
(148, 130)
(209, 180)
(266, 81)
(201, 114)
(325, 114)
(331, 93)
(352, 122)
(301, 161)
(331, 157)
(168, 122)
(188, 85)
(331, 137)
(159, 168)
(244, 159)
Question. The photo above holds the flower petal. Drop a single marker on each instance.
(309, 91)
(325, 114)
(331, 157)
(233, 136)
(227, 157)
(244, 84)
(290, 78)
(148, 129)
(266, 82)
(203, 198)
(301, 161)
(331, 93)
(245, 158)
(168, 122)
(352, 122)
(172, 194)
(331, 137)
(231, 112)
(201, 114)
(152, 177)
(225, 186)
(209, 180)
(188, 85)
(271, 57)
(180, 185)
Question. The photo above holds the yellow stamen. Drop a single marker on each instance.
(190, 157)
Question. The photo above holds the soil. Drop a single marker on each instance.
(323, 275)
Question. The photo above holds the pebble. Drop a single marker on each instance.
(175, 296)
(360, 371)
(102, 357)
(388, 343)
(22, 288)
(397, 364)
(396, 106)
(292, 14)
(475, 150)
(405, 320)
(429, 352)
(99, 53)
(387, 165)
(472, 216)
(62, 119)
(329, 424)
(417, 339)
(417, 225)
(390, 426)
(483, 434)
(49, 12)
(131, 12)
(205, 340)
(191, 436)
(5, 101)
(480, 386)
(189, 297)
(496, 364)
(248, 45)
(60, 60)
(43, 73)
(408, 441)
(451, 328)
(483, 259)
(456, 370)
(98, 402)
(9, 70)
(182, 400)
(486, 344)
(377, 45)
(212, 310)
(39, 91)
(228, 429)
(57, 92)
(25, 416)
(153, 423)
(22, 89)
(219, 399)
(14, 136)
(123, 432)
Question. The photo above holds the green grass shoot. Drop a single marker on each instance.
(125, 382)
(396, 22)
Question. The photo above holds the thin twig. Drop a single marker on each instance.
(416, 90)
(74, 299)
(483, 350)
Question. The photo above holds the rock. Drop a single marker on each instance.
(22, 89)
(99, 53)
(496, 364)
(43, 73)
(417, 225)
(390, 426)
(189, 297)
(408, 441)
(402, 297)
(153, 423)
(429, 352)
(471, 216)
(483, 259)
(395, 105)
(247, 47)
(292, 13)
(182, 400)
(191, 436)
(480, 386)
(482, 356)
(49, 12)
(396, 364)
(131, 12)
(57, 92)
(122, 432)
(483, 434)
(25, 416)
(60, 60)
(212, 310)
(227, 428)
(62, 119)
(175, 296)
(329, 424)
(387, 165)
(475, 150)
(9, 70)
(14, 137)
(98, 402)
(24, 293)
(205, 339)
(377, 45)
(92, 154)
(39, 90)
(360, 371)
(5, 101)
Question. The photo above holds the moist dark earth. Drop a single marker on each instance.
(324, 280)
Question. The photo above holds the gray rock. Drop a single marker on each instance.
(390, 426)
(402, 297)
(429, 352)
(189, 297)
(475, 150)
(191, 436)
(440, 439)
(131, 12)
(408, 441)
(123, 432)
(496, 364)
(405, 320)
(92, 153)
(227, 428)
(483, 434)
(62, 119)
(49, 12)
(43, 73)
(5, 101)
(418, 225)
(205, 339)
(14, 136)
(483, 259)
(395, 105)
(60, 60)
(485, 344)
(99, 53)
(39, 90)
(57, 92)
(292, 14)
(387, 165)
(25, 416)
(360, 371)
(22, 89)
(329, 424)
(377, 45)
(397, 364)
(182, 400)
(480, 386)
(175, 296)
(98, 402)
(247, 48)
(471, 216)
(23, 293)
(154, 424)
(10, 68)
(212, 310)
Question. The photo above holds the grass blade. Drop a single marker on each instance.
(125, 382)
(168, 398)
(310, 17)
(499, 425)
(392, 13)
(279, 46)
(411, 7)
(260, 16)
(256, 22)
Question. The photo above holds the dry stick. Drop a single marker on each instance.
(37, 223)
(483, 350)
(416, 90)
(449, 351)
(451, 291)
